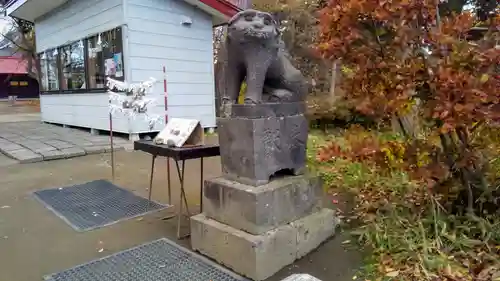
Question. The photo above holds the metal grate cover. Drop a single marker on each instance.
(95, 204)
(160, 260)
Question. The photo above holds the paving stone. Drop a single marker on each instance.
(73, 152)
(30, 141)
(11, 147)
(8, 135)
(84, 143)
(4, 143)
(95, 149)
(44, 149)
(59, 144)
(115, 148)
(52, 155)
(17, 139)
(25, 156)
(36, 137)
(101, 142)
(122, 141)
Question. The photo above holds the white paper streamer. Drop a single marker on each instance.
(131, 100)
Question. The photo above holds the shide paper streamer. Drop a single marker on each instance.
(130, 100)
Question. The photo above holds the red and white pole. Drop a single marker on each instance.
(165, 93)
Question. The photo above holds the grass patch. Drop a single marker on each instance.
(410, 234)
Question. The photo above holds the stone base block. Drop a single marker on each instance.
(260, 209)
(258, 141)
(260, 256)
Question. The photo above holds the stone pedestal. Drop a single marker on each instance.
(258, 141)
(259, 257)
(252, 222)
(260, 209)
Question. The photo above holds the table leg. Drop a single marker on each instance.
(151, 181)
(168, 182)
(201, 184)
(182, 198)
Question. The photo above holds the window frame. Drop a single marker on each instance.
(119, 45)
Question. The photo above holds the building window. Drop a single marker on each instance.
(44, 82)
(83, 65)
(95, 63)
(73, 66)
(105, 58)
(52, 70)
(112, 51)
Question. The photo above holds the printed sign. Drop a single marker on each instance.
(181, 132)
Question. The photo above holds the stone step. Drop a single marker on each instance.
(258, 257)
(260, 209)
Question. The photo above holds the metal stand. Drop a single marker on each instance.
(201, 184)
(168, 182)
(112, 147)
(182, 197)
(153, 160)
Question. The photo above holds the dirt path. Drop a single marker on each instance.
(34, 242)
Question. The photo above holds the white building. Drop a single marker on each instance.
(80, 42)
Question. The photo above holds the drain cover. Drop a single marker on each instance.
(95, 204)
(160, 260)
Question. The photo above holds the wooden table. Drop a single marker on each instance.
(179, 154)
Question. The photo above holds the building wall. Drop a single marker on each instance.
(75, 20)
(156, 38)
(153, 37)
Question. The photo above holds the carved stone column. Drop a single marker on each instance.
(265, 211)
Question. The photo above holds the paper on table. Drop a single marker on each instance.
(177, 131)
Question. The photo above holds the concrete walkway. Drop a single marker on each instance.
(35, 242)
(34, 141)
(20, 117)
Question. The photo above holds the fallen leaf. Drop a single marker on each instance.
(100, 250)
(392, 273)
(346, 242)
(448, 270)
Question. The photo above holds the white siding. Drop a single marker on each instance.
(156, 38)
(77, 19)
(153, 37)
(82, 110)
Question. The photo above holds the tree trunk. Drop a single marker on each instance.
(333, 80)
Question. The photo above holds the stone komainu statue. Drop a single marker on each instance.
(253, 50)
